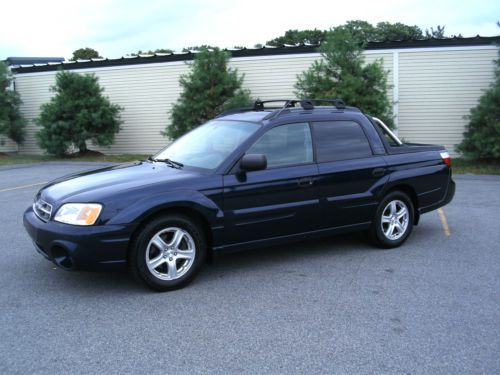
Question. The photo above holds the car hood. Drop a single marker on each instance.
(96, 185)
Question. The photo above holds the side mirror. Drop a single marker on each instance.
(253, 162)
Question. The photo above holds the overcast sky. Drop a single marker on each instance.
(116, 28)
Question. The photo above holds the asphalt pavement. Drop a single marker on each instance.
(330, 306)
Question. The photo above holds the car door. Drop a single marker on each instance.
(350, 174)
(280, 200)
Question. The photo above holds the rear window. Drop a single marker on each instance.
(390, 141)
(340, 140)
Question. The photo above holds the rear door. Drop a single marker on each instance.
(350, 174)
(281, 200)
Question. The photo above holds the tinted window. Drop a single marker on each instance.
(285, 145)
(340, 140)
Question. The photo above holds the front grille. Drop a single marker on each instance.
(42, 209)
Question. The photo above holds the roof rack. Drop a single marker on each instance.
(307, 104)
(337, 103)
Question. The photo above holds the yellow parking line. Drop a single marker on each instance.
(444, 222)
(22, 187)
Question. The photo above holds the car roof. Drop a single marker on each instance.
(254, 116)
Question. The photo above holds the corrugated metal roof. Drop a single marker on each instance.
(248, 52)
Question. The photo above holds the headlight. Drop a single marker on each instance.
(78, 213)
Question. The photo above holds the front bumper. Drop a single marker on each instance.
(92, 248)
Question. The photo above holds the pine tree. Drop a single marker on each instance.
(210, 88)
(343, 74)
(76, 114)
(12, 124)
(482, 135)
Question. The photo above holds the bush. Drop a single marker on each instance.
(76, 114)
(210, 88)
(343, 74)
(482, 134)
(12, 124)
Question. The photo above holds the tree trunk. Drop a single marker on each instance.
(82, 147)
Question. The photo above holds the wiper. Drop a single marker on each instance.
(169, 162)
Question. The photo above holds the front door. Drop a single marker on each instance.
(281, 200)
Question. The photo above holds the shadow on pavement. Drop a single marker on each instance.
(116, 283)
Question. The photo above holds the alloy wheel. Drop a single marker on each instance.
(395, 218)
(170, 253)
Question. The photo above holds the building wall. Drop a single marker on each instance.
(433, 89)
(6, 145)
(438, 88)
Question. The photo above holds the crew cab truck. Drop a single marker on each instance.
(251, 177)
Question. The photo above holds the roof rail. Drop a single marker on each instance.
(337, 103)
(259, 104)
(307, 104)
(304, 103)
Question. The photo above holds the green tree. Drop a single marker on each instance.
(85, 54)
(210, 88)
(298, 37)
(12, 124)
(482, 134)
(437, 33)
(362, 30)
(78, 113)
(342, 73)
(386, 31)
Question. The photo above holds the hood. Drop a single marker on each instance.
(96, 185)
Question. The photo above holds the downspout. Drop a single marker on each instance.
(395, 90)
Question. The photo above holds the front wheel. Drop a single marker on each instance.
(393, 220)
(168, 252)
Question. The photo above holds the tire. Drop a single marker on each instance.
(397, 213)
(168, 252)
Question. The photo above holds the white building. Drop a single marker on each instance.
(434, 83)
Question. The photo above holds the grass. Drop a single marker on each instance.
(23, 159)
(460, 165)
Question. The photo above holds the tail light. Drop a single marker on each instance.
(446, 158)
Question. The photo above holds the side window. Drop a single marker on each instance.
(340, 140)
(285, 145)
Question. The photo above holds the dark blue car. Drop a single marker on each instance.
(250, 177)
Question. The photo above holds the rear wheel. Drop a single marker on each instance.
(168, 252)
(393, 221)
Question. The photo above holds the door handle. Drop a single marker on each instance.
(378, 172)
(304, 182)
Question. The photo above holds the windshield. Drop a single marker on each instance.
(210, 144)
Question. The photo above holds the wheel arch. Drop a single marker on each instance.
(410, 191)
(187, 211)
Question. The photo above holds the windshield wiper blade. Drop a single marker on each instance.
(169, 162)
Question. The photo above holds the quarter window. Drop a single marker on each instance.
(340, 140)
(285, 145)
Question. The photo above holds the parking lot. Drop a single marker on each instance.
(334, 305)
